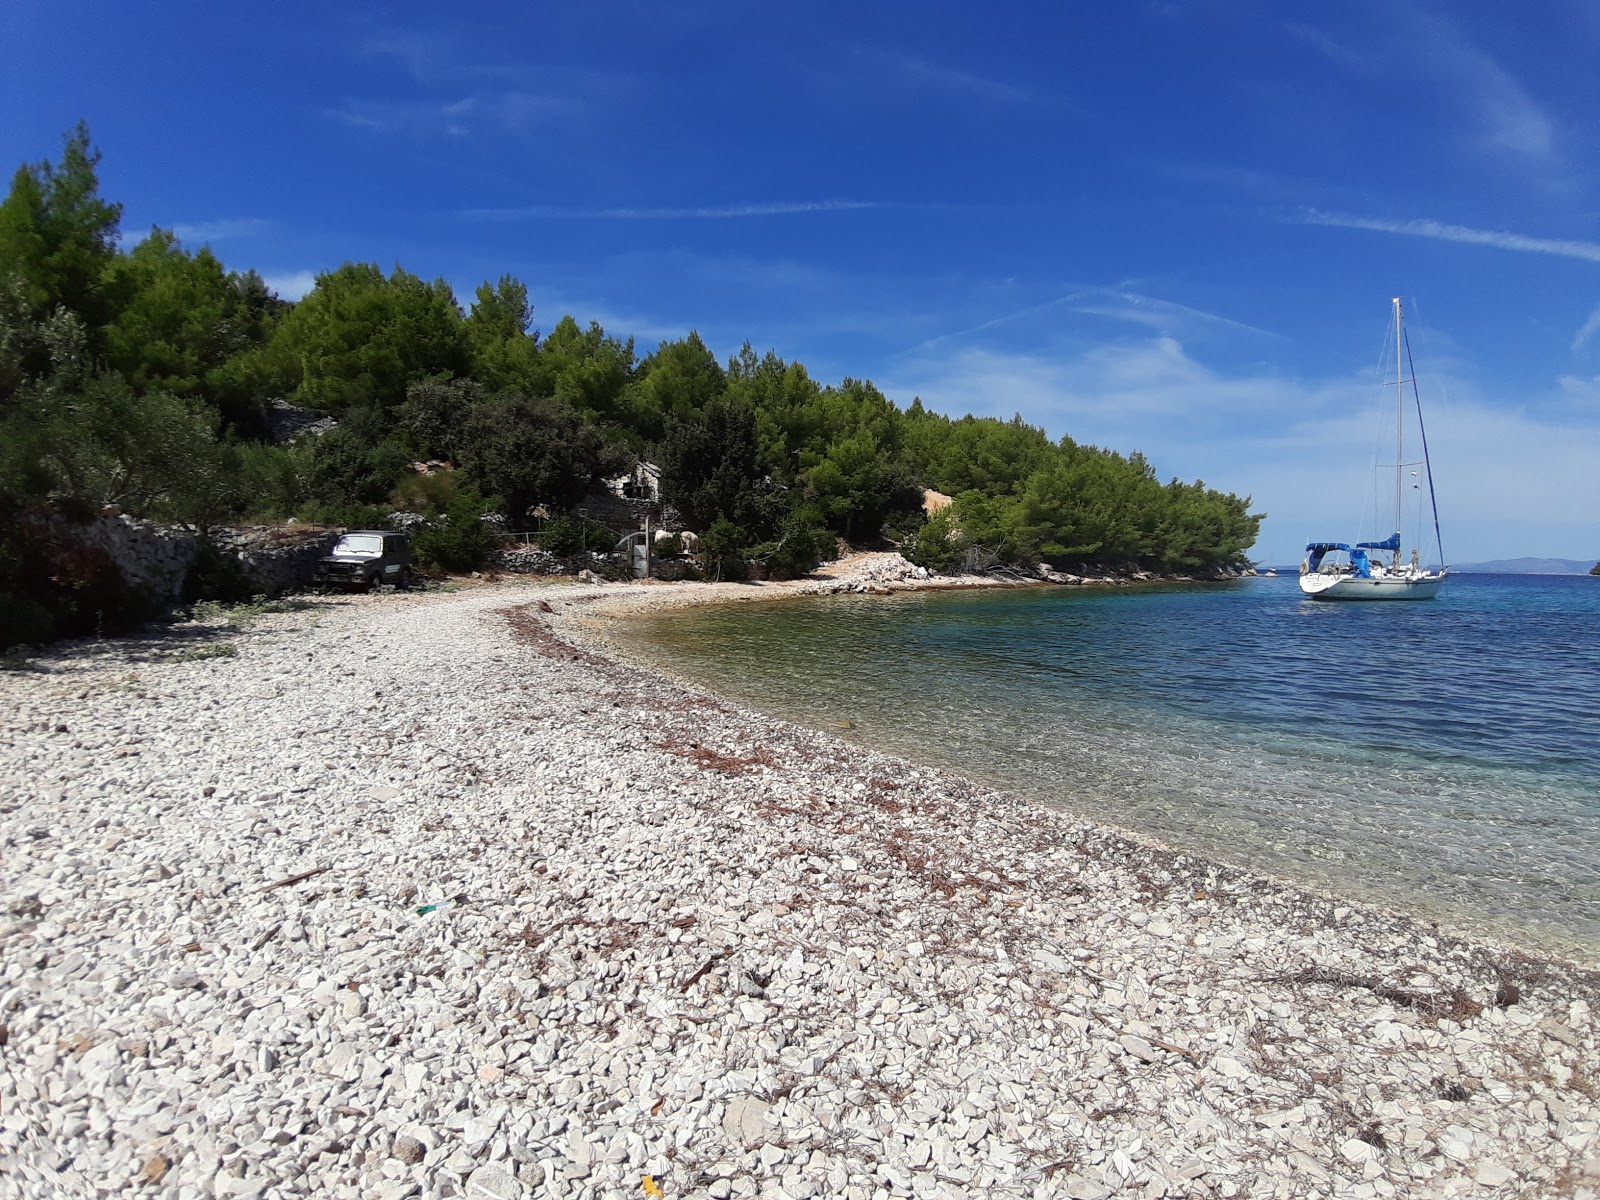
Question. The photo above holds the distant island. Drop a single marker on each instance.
(1529, 566)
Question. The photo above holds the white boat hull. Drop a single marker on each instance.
(1381, 587)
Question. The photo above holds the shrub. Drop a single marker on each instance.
(562, 537)
(459, 542)
(348, 516)
(53, 586)
(566, 538)
(803, 542)
(272, 482)
(722, 550)
(936, 546)
(429, 494)
(216, 575)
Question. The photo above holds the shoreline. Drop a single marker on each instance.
(604, 615)
(674, 938)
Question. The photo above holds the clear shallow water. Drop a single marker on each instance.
(1440, 757)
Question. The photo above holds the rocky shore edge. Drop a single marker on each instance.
(433, 895)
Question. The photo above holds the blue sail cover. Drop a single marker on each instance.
(1318, 549)
(1392, 542)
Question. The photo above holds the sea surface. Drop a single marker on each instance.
(1441, 758)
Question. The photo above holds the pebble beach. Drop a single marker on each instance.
(438, 895)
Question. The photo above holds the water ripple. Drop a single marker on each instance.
(1440, 757)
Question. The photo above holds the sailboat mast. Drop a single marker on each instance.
(1399, 424)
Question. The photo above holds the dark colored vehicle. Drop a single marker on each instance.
(365, 557)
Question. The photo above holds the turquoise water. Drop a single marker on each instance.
(1440, 757)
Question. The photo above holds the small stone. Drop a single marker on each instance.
(97, 1064)
(1081, 1187)
(1553, 1028)
(352, 1004)
(1139, 1048)
(1492, 1174)
(1230, 1067)
(1357, 1151)
(409, 1150)
(745, 1120)
(1456, 1142)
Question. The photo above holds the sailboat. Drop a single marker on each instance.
(1342, 571)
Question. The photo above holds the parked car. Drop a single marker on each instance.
(365, 557)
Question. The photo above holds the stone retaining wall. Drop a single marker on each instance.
(154, 560)
(157, 559)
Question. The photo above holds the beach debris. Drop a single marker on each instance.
(444, 905)
(154, 1169)
(300, 878)
(1452, 1003)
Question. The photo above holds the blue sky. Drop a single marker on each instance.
(1170, 227)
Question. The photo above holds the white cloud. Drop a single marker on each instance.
(1510, 482)
(1509, 120)
(1588, 331)
(782, 208)
(460, 116)
(292, 285)
(202, 232)
(954, 79)
(1112, 304)
(1498, 239)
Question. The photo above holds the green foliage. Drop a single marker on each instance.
(140, 379)
(534, 451)
(436, 415)
(858, 487)
(243, 613)
(360, 337)
(209, 650)
(936, 545)
(462, 541)
(789, 416)
(562, 537)
(722, 550)
(216, 576)
(270, 483)
(675, 384)
(587, 369)
(59, 237)
(803, 542)
(347, 516)
(356, 464)
(431, 495)
(992, 522)
(504, 353)
(710, 468)
(153, 455)
(173, 325)
(565, 537)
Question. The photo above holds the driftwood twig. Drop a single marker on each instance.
(300, 878)
(704, 967)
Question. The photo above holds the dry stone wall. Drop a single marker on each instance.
(154, 560)
(157, 559)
